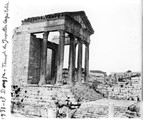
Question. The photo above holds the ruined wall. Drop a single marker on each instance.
(129, 89)
(26, 58)
(20, 60)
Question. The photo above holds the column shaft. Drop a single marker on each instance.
(79, 62)
(53, 66)
(43, 59)
(60, 59)
(71, 60)
(86, 77)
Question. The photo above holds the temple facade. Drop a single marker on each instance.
(30, 54)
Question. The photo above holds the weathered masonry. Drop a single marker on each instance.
(30, 52)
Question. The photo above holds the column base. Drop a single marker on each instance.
(59, 83)
(41, 83)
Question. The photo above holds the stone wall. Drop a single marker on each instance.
(34, 60)
(129, 89)
(20, 60)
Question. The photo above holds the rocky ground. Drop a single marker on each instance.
(102, 108)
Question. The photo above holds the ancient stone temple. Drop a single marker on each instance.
(30, 56)
(30, 53)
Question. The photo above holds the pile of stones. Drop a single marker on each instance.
(85, 93)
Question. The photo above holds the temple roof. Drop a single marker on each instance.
(71, 15)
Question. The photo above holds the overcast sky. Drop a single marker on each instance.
(115, 45)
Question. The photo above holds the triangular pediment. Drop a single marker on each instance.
(81, 17)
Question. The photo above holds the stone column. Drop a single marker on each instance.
(76, 62)
(71, 60)
(86, 66)
(60, 59)
(53, 66)
(79, 62)
(43, 59)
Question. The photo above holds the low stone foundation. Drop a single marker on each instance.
(36, 101)
(40, 101)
